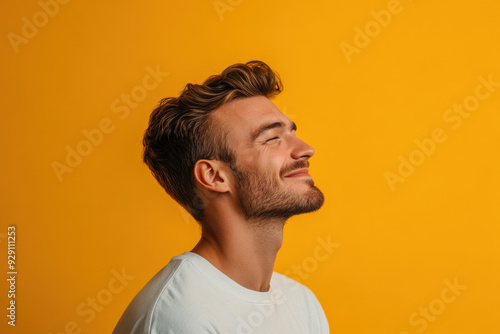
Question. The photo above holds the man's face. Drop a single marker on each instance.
(271, 163)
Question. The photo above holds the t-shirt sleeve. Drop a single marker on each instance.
(306, 304)
(318, 317)
(166, 319)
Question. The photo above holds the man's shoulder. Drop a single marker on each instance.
(302, 300)
(164, 297)
(163, 280)
(293, 291)
(289, 285)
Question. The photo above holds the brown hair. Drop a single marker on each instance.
(181, 131)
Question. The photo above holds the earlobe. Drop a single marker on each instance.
(210, 175)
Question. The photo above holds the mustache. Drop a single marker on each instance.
(294, 166)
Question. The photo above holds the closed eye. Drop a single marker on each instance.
(272, 139)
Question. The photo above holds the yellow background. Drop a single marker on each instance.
(395, 248)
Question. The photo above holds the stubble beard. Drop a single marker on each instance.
(263, 197)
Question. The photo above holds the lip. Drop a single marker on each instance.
(299, 173)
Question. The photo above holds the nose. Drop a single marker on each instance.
(301, 149)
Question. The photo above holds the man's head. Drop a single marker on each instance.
(270, 165)
(227, 121)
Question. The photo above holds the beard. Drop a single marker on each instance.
(263, 196)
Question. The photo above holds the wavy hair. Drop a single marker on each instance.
(181, 130)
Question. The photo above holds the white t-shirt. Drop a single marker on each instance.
(190, 296)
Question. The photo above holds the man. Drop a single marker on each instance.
(227, 154)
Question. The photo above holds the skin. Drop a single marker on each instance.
(245, 216)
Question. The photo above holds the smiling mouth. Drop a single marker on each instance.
(299, 173)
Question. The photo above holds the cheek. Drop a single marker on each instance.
(273, 164)
(267, 161)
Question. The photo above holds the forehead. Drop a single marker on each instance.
(242, 117)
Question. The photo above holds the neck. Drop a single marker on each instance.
(243, 250)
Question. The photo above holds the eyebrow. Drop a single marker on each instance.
(270, 126)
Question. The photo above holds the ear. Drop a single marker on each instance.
(211, 175)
